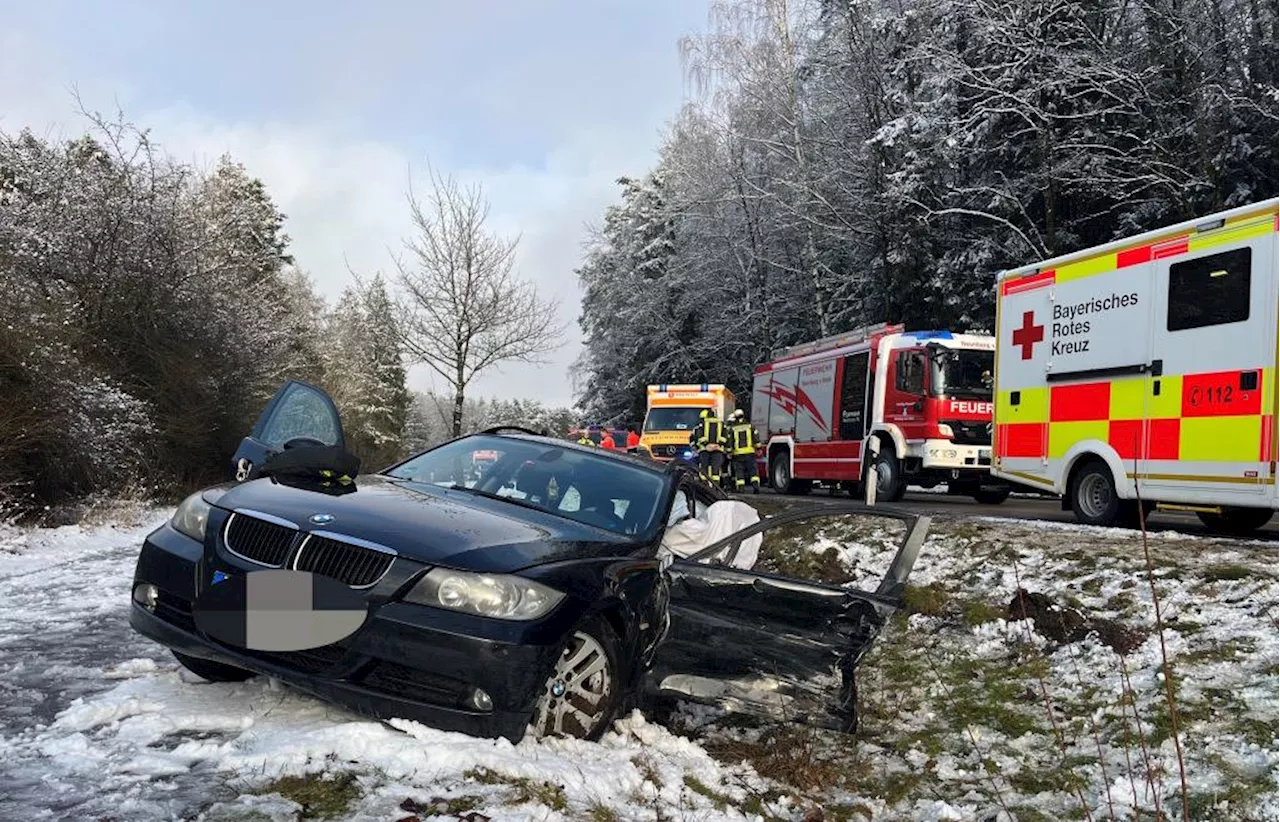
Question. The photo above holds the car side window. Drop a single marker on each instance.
(303, 412)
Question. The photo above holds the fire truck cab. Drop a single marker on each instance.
(922, 397)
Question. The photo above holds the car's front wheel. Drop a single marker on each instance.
(584, 691)
(212, 671)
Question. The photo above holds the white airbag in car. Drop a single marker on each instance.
(712, 524)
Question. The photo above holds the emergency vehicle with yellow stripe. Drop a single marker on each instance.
(923, 397)
(673, 411)
(1145, 370)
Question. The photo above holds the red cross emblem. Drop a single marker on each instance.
(1029, 334)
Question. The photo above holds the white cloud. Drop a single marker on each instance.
(344, 194)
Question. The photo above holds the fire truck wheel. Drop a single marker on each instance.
(1093, 496)
(780, 476)
(890, 486)
(1237, 521)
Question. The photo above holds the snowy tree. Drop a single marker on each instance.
(430, 418)
(461, 307)
(845, 162)
(365, 374)
(150, 310)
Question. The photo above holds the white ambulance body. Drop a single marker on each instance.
(1146, 367)
(923, 396)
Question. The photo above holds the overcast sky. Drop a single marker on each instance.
(546, 102)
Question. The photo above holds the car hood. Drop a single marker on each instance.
(428, 523)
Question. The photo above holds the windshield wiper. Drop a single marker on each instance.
(480, 492)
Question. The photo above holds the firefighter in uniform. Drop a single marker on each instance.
(743, 439)
(584, 438)
(708, 438)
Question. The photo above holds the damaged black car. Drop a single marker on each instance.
(503, 583)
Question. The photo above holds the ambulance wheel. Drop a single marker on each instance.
(780, 476)
(1237, 522)
(991, 496)
(890, 486)
(1093, 496)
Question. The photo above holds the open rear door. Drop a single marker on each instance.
(773, 646)
(298, 414)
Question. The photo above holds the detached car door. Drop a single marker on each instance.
(774, 646)
(300, 414)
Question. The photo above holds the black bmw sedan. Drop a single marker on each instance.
(499, 583)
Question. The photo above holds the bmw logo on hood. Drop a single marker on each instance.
(322, 519)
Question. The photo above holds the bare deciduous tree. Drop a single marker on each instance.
(462, 307)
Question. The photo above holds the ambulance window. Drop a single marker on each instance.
(1211, 290)
(911, 372)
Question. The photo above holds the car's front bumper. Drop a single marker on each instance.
(407, 661)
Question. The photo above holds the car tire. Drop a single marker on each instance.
(781, 479)
(887, 471)
(991, 496)
(213, 671)
(578, 701)
(1094, 499)
(1237, 522)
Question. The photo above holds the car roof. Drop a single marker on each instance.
(623, 456)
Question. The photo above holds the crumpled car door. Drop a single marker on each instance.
(300, 414)
(771, 646)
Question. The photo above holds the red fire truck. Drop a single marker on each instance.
(923, 396)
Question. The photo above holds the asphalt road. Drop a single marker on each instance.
(1031, 508)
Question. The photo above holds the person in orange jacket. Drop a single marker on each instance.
(606, 439)
(633, 438)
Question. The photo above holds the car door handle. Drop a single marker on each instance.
(1248, 380)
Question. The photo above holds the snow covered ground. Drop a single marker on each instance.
(966, 714)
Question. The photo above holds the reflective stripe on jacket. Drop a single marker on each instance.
(711, 432)
(743, 438)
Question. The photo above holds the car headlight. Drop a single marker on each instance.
(191, 517)
(945, 430)
(492, 595)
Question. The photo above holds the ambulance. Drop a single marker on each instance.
(672, 415)
(1142, 373)
(922, 397)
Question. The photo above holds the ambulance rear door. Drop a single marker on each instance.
(1211, 406)
(1024, 317)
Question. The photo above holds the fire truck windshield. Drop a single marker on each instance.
(962, 372)
(672, 419)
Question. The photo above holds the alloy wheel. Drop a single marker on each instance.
(576, 694)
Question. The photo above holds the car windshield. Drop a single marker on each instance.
(590, 488)
(962, 372)
(672, 419)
